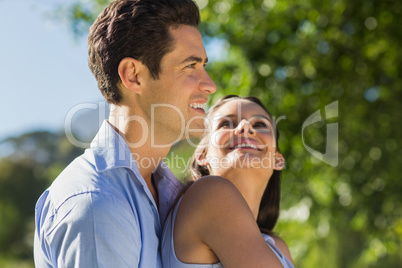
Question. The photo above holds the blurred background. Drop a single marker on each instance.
(331, 71)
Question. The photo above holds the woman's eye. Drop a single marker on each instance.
(260, 125)
(225, 123)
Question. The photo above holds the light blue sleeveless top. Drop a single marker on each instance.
(170, 260)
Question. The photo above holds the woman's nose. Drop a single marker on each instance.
(244, 127)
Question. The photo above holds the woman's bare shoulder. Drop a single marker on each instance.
(214, 217)
(206, 208)
(207, 193)
(283, 247)
(212, 190)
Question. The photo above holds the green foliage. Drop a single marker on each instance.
(13, 263)
(28, 165)
(21, 183)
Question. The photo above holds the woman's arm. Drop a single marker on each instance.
(214, 219)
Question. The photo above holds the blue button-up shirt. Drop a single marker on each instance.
(99, 211)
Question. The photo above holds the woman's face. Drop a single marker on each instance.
(242, 137)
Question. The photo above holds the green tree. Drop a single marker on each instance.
(21, 183)
(298, 57)
(28, 164)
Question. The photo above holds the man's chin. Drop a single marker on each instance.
(196, 130)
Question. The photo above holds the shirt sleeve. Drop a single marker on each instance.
(93, 230)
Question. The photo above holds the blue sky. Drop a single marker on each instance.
(43, 69)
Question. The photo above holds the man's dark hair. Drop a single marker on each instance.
(138, 29)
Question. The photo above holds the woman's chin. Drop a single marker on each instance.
(250, 160)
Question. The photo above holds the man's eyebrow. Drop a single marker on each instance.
(196, 59)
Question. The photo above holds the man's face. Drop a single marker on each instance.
(175, 99)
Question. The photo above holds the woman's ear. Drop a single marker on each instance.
(202, 159)
(279, 161)
(129, 70)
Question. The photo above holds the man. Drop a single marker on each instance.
(107, 208)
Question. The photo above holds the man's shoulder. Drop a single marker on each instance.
(78, 173)
(78, 178)
(81, 191)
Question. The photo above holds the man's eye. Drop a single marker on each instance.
(192, 65)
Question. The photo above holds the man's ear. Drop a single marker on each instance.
(279, 161)
(129, 71)
(202, 159)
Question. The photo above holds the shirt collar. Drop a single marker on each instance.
(168, 188)
(110, 150)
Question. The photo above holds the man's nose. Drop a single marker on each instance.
(207, 84)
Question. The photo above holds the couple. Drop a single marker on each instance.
(110, 207)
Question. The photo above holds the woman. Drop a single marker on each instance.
(214, 223)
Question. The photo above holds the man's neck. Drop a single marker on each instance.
(143, 148)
